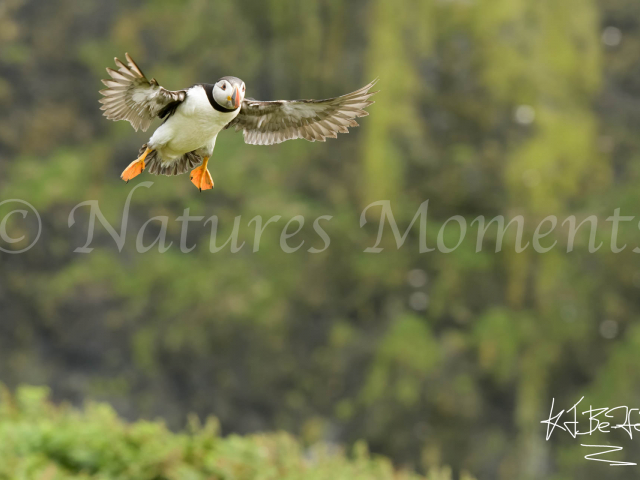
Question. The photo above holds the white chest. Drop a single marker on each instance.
(194, 125)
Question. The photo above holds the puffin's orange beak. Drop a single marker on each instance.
(235, 98)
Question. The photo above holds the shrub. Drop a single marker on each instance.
(41, 441)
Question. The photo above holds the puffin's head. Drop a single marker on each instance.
(228, 92)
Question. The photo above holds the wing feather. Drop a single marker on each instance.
(267, 123)
(130, 96)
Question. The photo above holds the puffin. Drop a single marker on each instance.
(193, 117)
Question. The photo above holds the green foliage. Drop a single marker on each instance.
(40, 441)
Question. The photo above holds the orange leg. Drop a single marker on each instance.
(136, 167)
(201, 177)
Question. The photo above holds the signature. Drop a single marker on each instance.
(599, 420)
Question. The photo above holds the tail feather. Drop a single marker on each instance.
(184, 164)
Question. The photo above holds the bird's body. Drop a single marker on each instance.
(193, 126)
(194, 117)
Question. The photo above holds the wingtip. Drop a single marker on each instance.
(369, 86)
(130, 61)
(133, 66)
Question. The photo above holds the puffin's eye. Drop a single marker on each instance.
(224, 86)
(243, 88)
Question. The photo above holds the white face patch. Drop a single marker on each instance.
(228, 92)
(222, 92)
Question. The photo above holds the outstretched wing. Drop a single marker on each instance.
(266, 123)
(130, 96)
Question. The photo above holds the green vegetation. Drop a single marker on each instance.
(39, 441)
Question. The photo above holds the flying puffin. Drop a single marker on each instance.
(193, 118)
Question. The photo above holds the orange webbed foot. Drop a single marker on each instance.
(135, 168)
(201, 177)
